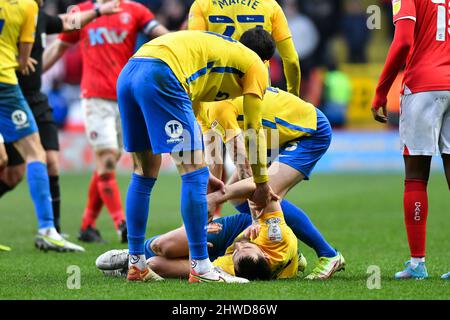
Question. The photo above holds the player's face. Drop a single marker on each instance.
(244, 248)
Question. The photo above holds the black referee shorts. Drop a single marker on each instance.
(48, 131)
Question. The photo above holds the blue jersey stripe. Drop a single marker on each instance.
(200, 72)
(293, 126)
(273, 125)
(228, 70)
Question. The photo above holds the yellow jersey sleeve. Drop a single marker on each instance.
(280, 27)
(196, 19)
(28, 29)
(291, 65)
(223, 118)
(226, 263)
(255, 80)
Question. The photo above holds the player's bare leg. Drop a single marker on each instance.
(415, 203)
(446, 161)
(170, 268)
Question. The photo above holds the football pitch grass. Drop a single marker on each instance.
(361, 215)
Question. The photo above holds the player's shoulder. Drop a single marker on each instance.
(28, 4)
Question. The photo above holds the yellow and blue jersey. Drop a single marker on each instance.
(284, 115)
(277, 241)
(17, 24)
(210, 66)
(233, 17)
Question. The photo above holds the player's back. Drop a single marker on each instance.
(14, 16)
(232, 18)
(210, 66)
(285, 113)
(428, 64)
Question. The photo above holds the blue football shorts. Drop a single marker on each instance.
(16, 119)
(155, 109)
(303, 154)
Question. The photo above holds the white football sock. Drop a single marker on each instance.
(137, 260)
(415, 261)
(201, 266)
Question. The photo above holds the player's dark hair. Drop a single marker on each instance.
(260, 41)
(253, 269)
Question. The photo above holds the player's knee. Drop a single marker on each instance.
(3, 161)
(163, 248)
(52, 164)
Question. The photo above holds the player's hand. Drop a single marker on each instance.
(29, 67)
(253, 231)
(215, 184)
(262, 196)
(110, 7)
(379, 109)
(380, 114)
(214, 227)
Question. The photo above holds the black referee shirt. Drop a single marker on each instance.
(46, 24)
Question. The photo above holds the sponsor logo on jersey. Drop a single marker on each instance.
(99, 36)
(396, 6)
(274, 230)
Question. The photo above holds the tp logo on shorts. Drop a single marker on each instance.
(20, 119)
(291, 146)
(174, 129)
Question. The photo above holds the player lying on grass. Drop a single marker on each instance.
(158, 90)
(263, 250)
(298, 135)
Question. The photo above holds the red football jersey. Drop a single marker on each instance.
(106, 44)
(428, 63)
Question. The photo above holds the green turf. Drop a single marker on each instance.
(360, 214)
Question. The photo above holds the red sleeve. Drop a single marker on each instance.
(70, 37)
(396, 59)
(144, 17)
(404, 9)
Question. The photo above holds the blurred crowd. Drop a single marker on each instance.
(315, 26)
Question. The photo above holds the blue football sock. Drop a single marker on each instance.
(137, 206)
(148, 249)
(194, 210)
(39, 187)
(305, 230)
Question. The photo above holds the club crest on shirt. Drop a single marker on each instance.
(396, 6)
(274, 230)
(125, 17)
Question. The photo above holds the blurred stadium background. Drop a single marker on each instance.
(341, 59)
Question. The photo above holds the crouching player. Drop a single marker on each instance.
(263, 250)
(298, 135)
(157, 91)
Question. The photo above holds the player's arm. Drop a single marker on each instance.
(148, 23)
(196, 20)
(53, 53)
(291, 65)
(26, 39)
(396, 59)
(78, 19)
(285, 45)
